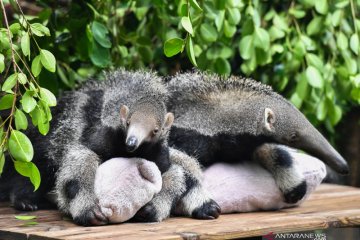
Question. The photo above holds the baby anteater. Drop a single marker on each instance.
(123, 116)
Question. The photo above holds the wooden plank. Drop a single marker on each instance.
(329, 206)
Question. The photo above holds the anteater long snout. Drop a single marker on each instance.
(315, 144)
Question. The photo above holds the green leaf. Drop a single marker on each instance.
(315, 26)
(146, 54)
(35, 176)
(190, 51)
(296, 100)
(99, 55)
(25, 44)
(186, 23)
(233, 16)
(302, 87)
(280, 22)
(321, 6)
(297, 13)
(28, 102)
(309, 43)
(36, 66)
(276, 33)
(195, 5)
(299, 50)
(321, 110)
(48, 60)
(222, 66)
(356, 80)
(173, 46)
(20, 146)
(336, 18)
(2, 162)
(20, 120)
(219, 52)
(342, 3)
(100, 34)
(47, 110)
(41, 116)
(354, 43)
(39, 30)
(342, 41)
(219, 20)
(123, 51)
(335, 114)
(6, 101)
(44, 127)
(15, 28)
(25, 218)
(2, 63)
(229, 30)
(48, 97)
(261, 39)
(29, 169)
(246, 47)
(184, 10)
(10, 82)
(314, 60)
(22, 78)
(314, 77)
(208, 32)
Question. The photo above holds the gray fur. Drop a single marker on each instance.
(86, 124)
(212, 115)
(211, 105)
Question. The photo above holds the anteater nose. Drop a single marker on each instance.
(131, 144)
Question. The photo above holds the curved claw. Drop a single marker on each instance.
(25, 205)
(91, 217)
(146, 214)
(209, 210)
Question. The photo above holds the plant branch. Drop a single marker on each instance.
(14, 65)
(353, 14)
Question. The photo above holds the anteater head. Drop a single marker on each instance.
(288, 126)
(146, 122)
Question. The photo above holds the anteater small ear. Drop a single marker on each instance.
(169, 120)
(269, 119)
(124, 113)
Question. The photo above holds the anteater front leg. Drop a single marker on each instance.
(182, 193)
(75, 186)
(278, 161)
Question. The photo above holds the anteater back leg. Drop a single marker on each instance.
(22, 194)
(279, 162)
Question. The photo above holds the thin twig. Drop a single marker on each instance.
(353, 14)
(14, 65)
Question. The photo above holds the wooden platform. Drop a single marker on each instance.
(329, 206)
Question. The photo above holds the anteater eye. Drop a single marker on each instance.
(156, 130)
(293, 137)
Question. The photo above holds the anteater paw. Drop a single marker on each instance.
(296, 194)
(25, 205)
(147, 213)
(91, 217)
(209, 210)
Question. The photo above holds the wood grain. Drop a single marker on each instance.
(329, 206)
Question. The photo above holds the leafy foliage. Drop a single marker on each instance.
(21, 91)
(307, 50)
